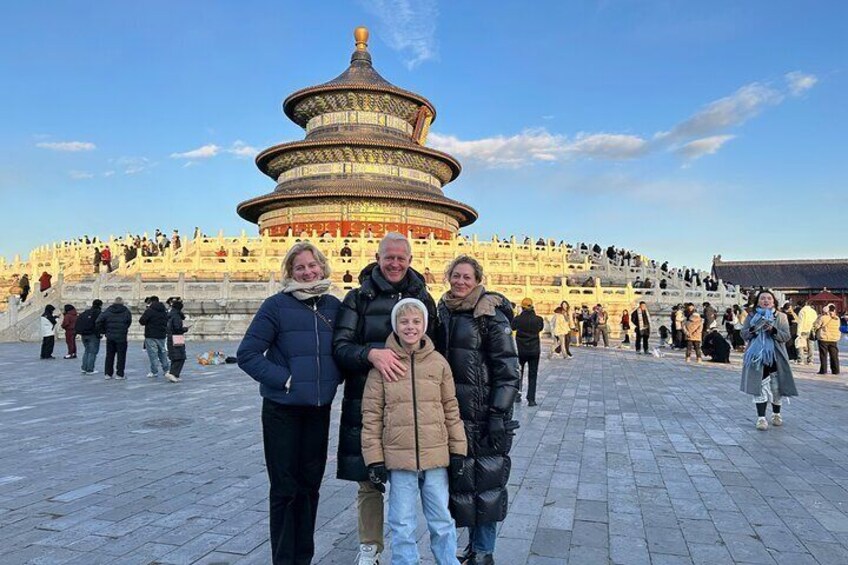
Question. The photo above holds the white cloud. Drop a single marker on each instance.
(407, 26)
(108, 173)
(705, 146)
(80, 175)
(540, 145)
(132, 165)
(243, 150)
(727, 112)
(70, 146)
(799, 82)
(205, 152)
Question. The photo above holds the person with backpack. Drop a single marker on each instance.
(69, 322)
(90, 338)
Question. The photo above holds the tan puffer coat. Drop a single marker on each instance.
(412, 424)
(694, 327)
(827, 327)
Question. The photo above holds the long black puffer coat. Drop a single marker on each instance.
(363, 324)
(482, 356)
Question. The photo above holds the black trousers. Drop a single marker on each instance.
(642, 340)
(532, 373)
(113, 348)
(295, 439)
(828, 348)
(47, 344)
(177, 367)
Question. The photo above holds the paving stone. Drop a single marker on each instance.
(619, 464)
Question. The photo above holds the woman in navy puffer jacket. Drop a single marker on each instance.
(288, 349)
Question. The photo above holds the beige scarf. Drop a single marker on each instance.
(477, 300)
(305, 291)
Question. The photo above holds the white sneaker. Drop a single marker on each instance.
(151, 375)
(83, 371)
(368, 555)
(93, 372)
(762, 424)
(172, 378)
(776, 420)
(120, 377)
(108, 377)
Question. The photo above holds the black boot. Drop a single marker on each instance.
(466, 556)
(482, 559)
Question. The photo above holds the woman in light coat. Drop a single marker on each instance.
(766, 373)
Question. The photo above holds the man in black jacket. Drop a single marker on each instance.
(155, 322)
(527, 326)
(640, 319)
(90, 338)
(115, 323)
(362, 327)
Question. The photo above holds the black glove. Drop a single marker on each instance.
(497, 432)
(378, 475)
(457, 466)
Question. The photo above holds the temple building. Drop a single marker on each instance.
(363, 167)
(818, 281)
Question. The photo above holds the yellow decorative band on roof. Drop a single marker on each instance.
(360, 118)
(392, 171)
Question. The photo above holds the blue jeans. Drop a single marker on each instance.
(482, 537)
(403, 505)
(157, 354)
(91, 343)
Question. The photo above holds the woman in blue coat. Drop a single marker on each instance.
(288, 349)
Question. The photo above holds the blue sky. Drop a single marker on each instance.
(679, 129)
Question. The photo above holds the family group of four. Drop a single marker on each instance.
(427, 406)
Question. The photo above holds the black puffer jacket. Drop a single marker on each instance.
(114, 322)
(364, 323)
(175, 327)
(482, 356)
(527, 326)
(155, 321)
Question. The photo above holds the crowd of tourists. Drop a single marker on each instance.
(164, 335)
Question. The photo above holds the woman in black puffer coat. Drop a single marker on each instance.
(475, 336)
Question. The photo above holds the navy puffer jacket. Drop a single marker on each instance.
(288, 349)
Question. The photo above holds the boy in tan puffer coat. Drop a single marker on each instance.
(412, 435)
(693, 328)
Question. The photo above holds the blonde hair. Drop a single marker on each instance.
(467, 260)
(297, 249)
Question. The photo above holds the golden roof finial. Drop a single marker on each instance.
(360, 34)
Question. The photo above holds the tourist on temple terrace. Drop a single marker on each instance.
(290, 332)
(359, 345)
(155, 321)
(826, 330)
(766, 373)
(641, 320)
(476, 338)
(561, 332)
(48, 331)
(176, 331)
(693, 330)
(527, 326)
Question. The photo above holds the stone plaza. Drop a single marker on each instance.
(627, 459)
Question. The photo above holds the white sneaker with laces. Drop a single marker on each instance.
(762, 424)
(151, 375)
(172, 378)
(777, 420)
(368, 555)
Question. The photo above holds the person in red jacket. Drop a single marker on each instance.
(69, 324)
(44, 281)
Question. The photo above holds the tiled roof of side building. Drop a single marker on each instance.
(795, 274)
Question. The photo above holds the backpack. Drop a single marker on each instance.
(85, 323)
